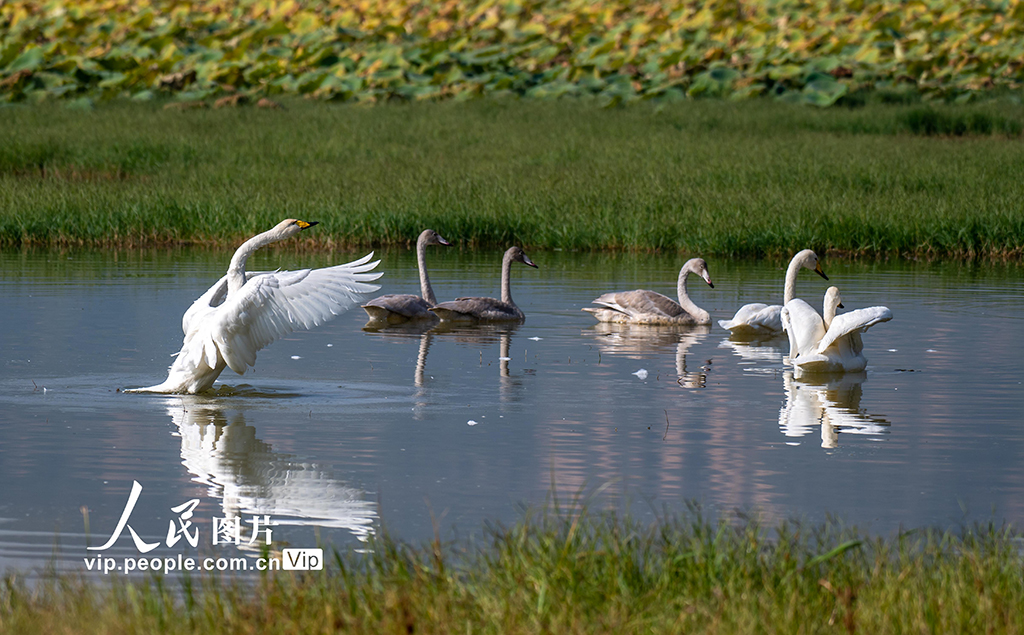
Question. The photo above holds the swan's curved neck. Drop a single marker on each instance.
(236, 270)
(828, 313)
(791, 273)
(426, 292)
(506, 279)
(685, 301)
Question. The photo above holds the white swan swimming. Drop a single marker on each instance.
(396, 308)
(759, 321)
(489, 309)
(829, 344)
(649, 307)
(245, 311)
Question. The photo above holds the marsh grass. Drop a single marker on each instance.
(710, 177)
(571, 571)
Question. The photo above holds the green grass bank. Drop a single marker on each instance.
(756, 178)
(572, 573)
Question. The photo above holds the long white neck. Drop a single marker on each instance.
(426, 292)
(506, 279)
(791, 273)
(698, 313)
(829, 311)
(236, 270)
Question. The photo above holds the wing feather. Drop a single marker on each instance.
(804, 326)
(853, 322)
(755, 318)
(273, 305)
(639, 303)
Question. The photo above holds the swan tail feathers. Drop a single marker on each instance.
(376, 313)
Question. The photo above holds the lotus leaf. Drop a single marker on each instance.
(945, 48)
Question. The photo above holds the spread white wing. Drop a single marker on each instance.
(272, 305)
(213, 298)
(856, 321)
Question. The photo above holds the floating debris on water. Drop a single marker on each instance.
(642, 373)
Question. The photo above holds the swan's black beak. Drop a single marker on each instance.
(527, 261)
(817, 270)
(304, 225)
(840, 305)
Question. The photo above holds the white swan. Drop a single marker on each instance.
(759, 321)
(829, 344)
(396, 308)
(245, 311)
(488, 309)
(649, 307)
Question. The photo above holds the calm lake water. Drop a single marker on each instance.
(339, 429)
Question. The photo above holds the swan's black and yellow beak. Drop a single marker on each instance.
(304, 225)
(817, 270)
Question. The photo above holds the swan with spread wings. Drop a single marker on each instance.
(831, 342)
(246, 311)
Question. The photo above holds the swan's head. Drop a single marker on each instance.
(289, 227)
(699, 267)
(833, 298)
(517, 254)
(807, 258)
(431, 237)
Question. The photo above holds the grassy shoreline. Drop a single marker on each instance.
(751, 179)
(576, 572)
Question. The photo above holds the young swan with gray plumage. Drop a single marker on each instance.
(397, 308)
(488, 309)
(649, 307)
(245, 311)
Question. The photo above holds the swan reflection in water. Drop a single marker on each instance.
(479, 336)
(833, 406)
(423, 331)
(637, 341)
(763, 357)
(250, 478)
(484, 335)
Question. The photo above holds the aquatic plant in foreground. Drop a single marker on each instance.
(573, 571)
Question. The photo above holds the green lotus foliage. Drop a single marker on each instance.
(816, 52)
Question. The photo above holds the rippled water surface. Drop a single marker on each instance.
(339, 428)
